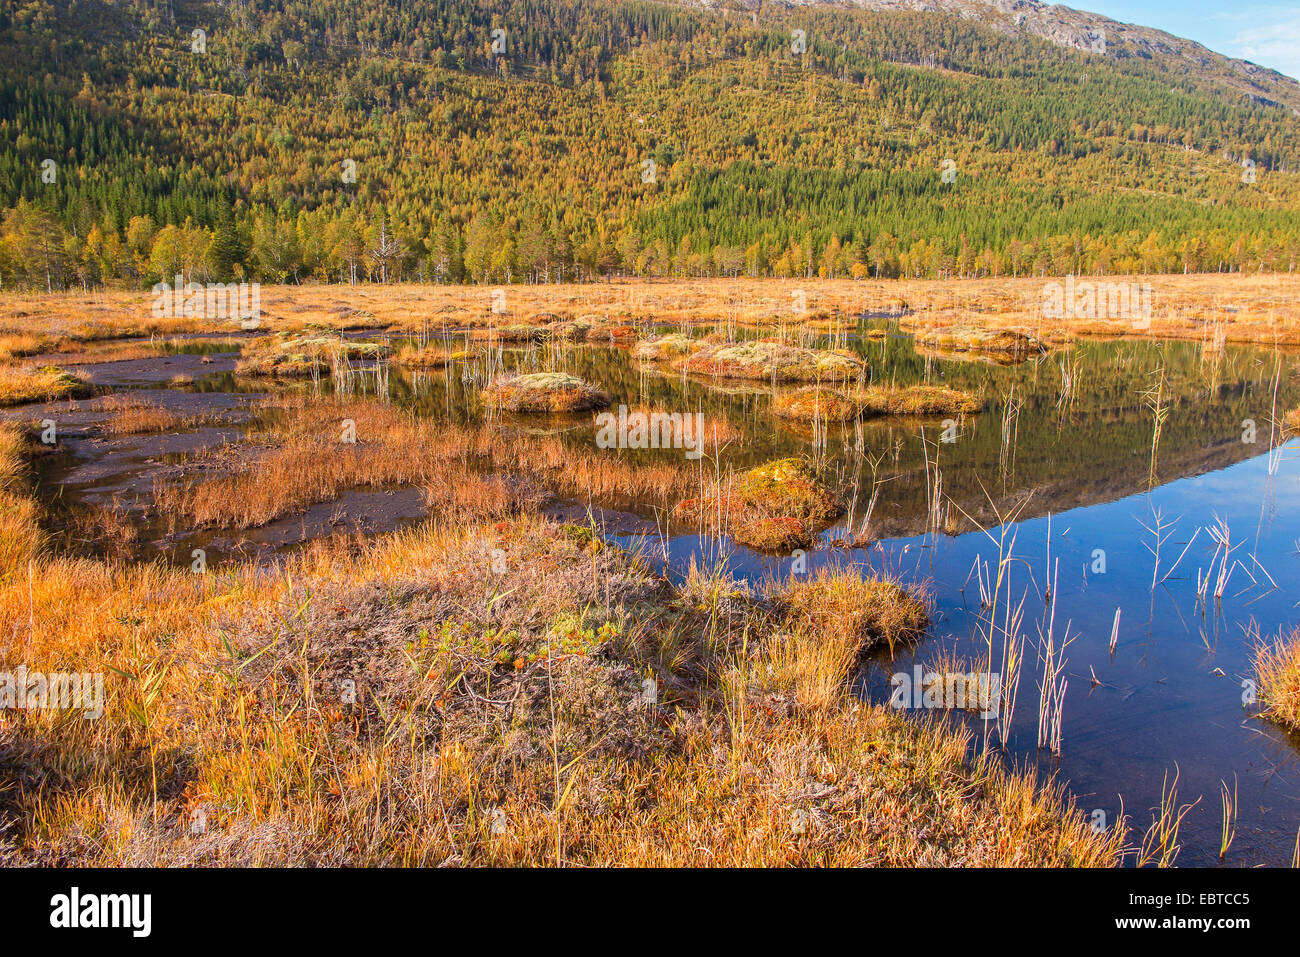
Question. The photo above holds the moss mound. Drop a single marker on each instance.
(294, 356)
(665, 348)
(544, 392)
(774, 507)
(768, 359)
(1008, 342)
(817, 402)
(919, 400)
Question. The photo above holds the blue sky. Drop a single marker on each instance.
(1264, 33)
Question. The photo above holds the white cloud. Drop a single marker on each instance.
(1273, 41)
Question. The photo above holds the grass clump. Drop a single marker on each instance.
(131, 416)
(15, 345)
(831, 405)
(1006, 342)
(1277, 666)
(22, 384)
(866, 611)
(432, 356)
(592, 328)
(21, 539)
(544, 392)
(772, 360)
(774, 507)
(817, 402)
(918, 400)
(665, 348)
(513, 333)
(287, 356)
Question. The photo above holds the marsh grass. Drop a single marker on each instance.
(22, 344)
(814, 403)
(918, 400)
(1292, 421)
(772, 360)
(475, 696)
(299, 458)
(430, 356)
(841, 604)
(20, 536)
(306, 355)
(666, 348)
(543, 392)
(27, 383)
(1015, 343)
(83, 353)
(773, 507)
(592, 328)
(1277, 669)
(131, 416)
(1240, 307)
(822, 403)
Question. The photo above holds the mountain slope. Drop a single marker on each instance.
(326, 139)
(1094, 33)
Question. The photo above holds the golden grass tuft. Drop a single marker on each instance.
(817, 402)
(918, 400)
(131, 416)
(17, 345)
(431, 356)
(80, 353)
(769, 359)
(840, 605)
(666, 348)
(544, 392)
(1277, 667)
(21, 539)
(299, 356)
(22, 384)
(773, 507)
(1016, 343)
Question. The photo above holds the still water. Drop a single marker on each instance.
(1058, 476)
(1081, 461)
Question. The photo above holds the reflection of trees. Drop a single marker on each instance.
(1093, 448)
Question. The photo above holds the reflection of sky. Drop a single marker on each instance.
(1171, 695)
(1161, 703)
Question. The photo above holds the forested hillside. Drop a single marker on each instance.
(545, 140)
